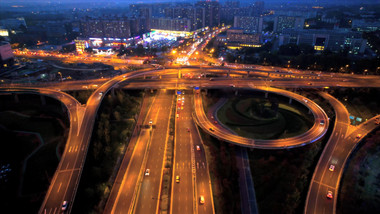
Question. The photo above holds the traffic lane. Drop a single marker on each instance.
(59, 189)
(323, 203)
(202, 177)
(182, 190)
(203, 188)
(327, 157)
(149, 192)
(125, 194)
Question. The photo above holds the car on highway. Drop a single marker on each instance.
(65, 204)
(211, 129)
(188, 130)
(201, 199)
(359, 136)
(101, 93)
(329, 195)
(322, 122)
(177, 115)
(332, 168)
(147, 172)
(150, 122)
(198, 148)
(177, 179)
(309, 83)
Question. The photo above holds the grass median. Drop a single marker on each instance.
(113, 127)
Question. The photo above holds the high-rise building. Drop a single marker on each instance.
(250, 24)
(212, 12)
(288, 22)
(107, 27)
(173, 24)
(13, 23)
(196, 15)
(257, 8)
(232, 4)
(6, 54)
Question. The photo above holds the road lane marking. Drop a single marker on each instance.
(60, 184)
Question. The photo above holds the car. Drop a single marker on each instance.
(201, 199)
(101, 93)
(198, 148)
(177, 179)
(216, 122)
(150, 122)
(331, 168)
(211, 129)
(329, 195)
(147, 172)
(322, 122)
(65, 204)
(177, 115)
(309, 83)
(188, 130)
(359, 136)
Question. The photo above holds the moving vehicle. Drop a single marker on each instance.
(211, 129)
(177, 179)
(359, 136)
(329, 195)
(201, 199)
(198, 148)
(147, 172)
(65, 204)
(331, 168)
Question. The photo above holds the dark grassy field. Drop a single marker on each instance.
(360, 186)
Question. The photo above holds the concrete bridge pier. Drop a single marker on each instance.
(236, 92)
(206, 90)
(43, 100)
(113, 92)
(266, 94)
(247, 74)
(290, 100)
(16, 98)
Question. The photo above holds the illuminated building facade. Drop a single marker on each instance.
(237, 38)
(333, 40)
(171, 24)
(80, 45)
(249, 24)
(288, 22)
(112, 27)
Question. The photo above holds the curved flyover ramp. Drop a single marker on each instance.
(343, 140)
(66, 179)
(312, 135)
